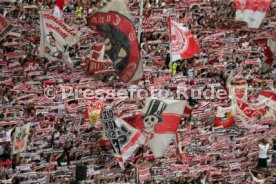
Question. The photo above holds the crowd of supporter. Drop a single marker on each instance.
(61, 136)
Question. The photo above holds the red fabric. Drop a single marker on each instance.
(226, 123)
(97, 48)
(268, 94)
(8, 162)
(182, 42)
(94, 66)
(135, 121)
(169, 125)
(132, 141)
(104, 143)
(49, 82)
(60, 4)
(250, 111)
(267, 52)
(188, 109)
(255, 5)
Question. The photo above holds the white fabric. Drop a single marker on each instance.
(258, 180)
(57, 12)
(57, 43)
(263, 150)
(203, 180)
(253, 19)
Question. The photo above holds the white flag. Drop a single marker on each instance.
(252, 11)
(56, 38)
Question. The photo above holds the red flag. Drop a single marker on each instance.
(270, 96)
(97, 52)
(188, 109)
(251, 11)
(250, 112)
(182, 42)
(94, 66)
(58, 9)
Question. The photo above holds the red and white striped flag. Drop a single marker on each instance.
(94, 65)
(182, 42)
(58, 9)
(97, 52)
(248, 112)
(270, 96)
(251, 11)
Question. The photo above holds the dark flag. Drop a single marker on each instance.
(121, 44)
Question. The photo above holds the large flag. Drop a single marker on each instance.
(5, 27)
(121, 44)
(251, 11)
(160, 122)
(270, 96)
(56, 38)
(20, 139)
(58, 9)
(248, 113)
(124, 139)
(182, 43)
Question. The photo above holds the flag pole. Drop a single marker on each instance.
(42, 33)
(140, 21)
(170, 42)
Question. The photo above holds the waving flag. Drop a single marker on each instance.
(5, 27)
(270, 96)
(182, 42)
(161, 119)
(58, 9)
(56, 38)
(252, 11)
(124, 139)
(248, 113)
(121, 44)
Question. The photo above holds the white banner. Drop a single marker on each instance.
(56, 38)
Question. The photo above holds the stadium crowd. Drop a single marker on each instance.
(61, 136)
